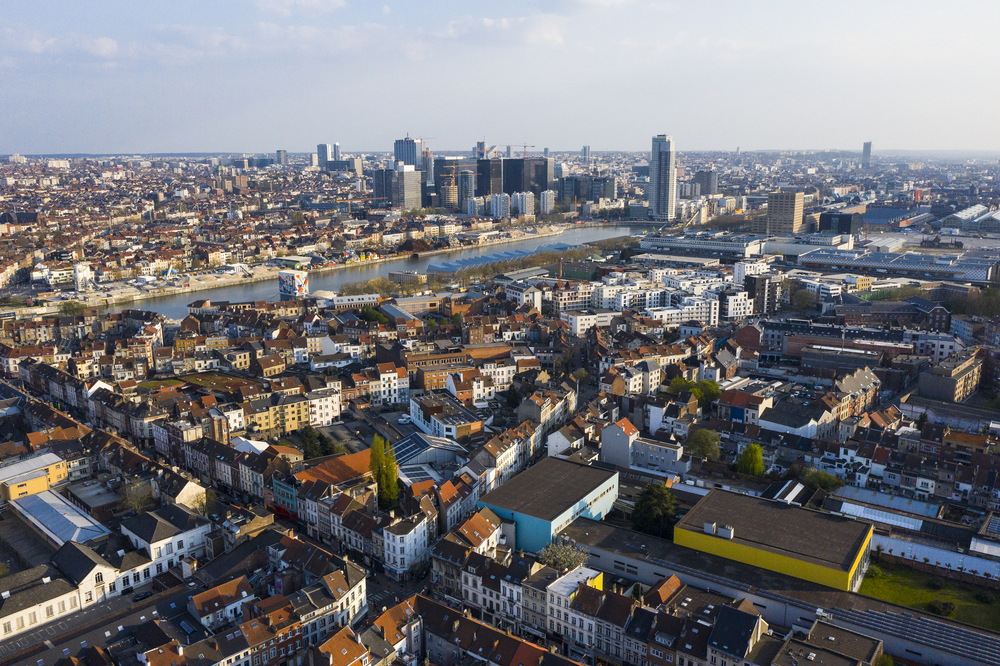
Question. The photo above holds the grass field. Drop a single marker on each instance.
(906, 587)
(154, 384)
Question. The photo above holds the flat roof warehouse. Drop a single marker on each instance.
(812, 536)
(548, 489)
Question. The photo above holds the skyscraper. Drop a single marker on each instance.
(545, 152)
(406, 190)
(585, 153)
(784, 215)
(709, 181)
(281, 157)
(524, 202)
(500, 205)
(336, 152)
(516, 177)
(548, 201)
(383, 185)
(510, 152)
(866, 155)
(466, 186)
(489, 178)
(408, 151)
(323, 154)
(663, 178)
(540, 172)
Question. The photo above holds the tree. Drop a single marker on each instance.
(513, 397)
(309, 435)
(678, 385)
(203, 503)
(135, 497)
(388, 487)
(820, 480)
(377, 457)
(704, 444)
(751, 461)
(803, 299)
(72, 308)
(370, 314)
(944, 608)
(885, 660)
(581, 375)
(707, 392)
(327, 445)
(655, 511)
(563, 556)
(457, 319)
(922, 420)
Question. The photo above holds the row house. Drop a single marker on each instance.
(338, 599)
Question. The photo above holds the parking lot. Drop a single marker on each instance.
(23, 540)
(355, 435)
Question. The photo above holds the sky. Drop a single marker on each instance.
(138, 76)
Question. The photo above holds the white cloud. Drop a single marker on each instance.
(545, 30)
(104, 47)
(386, 10)
(288, 7)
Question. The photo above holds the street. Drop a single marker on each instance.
(384, 592)
(50, 633)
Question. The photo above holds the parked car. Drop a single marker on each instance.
(143, 595)
(404, 420)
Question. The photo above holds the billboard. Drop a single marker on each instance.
(293, 283)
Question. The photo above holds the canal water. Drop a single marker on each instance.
(175, 306)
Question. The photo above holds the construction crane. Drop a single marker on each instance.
(524, 147)
(350, 201)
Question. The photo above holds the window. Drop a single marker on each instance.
(6, 627)
(89, 597)
(99, 578)
(32, 618)
(49, 611)
(72, 602)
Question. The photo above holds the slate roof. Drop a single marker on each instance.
(733, 631)
(78, 561)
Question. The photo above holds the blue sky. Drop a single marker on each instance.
(257, 75)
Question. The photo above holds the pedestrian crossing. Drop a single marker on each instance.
(380, 598)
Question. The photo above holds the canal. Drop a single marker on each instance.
(175, 306)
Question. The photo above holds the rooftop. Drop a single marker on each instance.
(59, 520)
(548, 489)
(808, 535)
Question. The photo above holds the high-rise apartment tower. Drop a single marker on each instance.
(663, 178)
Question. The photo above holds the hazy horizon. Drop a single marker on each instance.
(128, 78)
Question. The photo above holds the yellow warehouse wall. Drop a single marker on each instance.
(31, 487)
(783, 564)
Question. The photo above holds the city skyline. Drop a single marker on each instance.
(210, 78)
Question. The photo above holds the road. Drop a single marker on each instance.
(58, 646)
